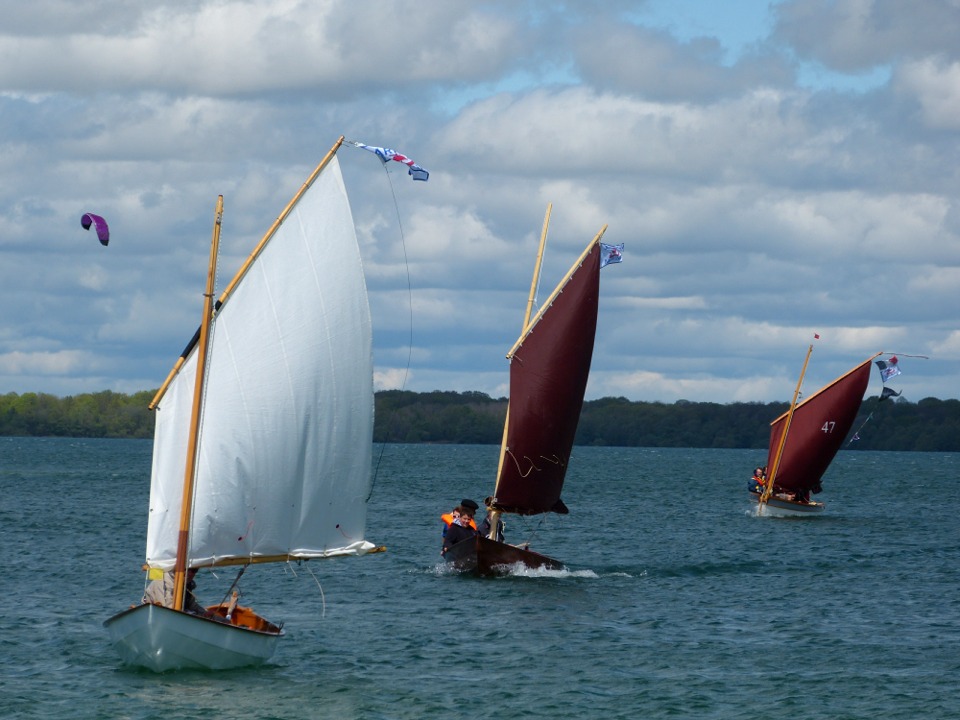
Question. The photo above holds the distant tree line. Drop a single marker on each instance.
(472, 417)
(102, 415)
(476, 418)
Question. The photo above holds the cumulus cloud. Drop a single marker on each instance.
(755, 210)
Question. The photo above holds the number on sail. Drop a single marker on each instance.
(828, 427)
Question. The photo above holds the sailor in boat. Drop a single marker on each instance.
(485, 525)
(160, 592)
(450, 517)
(463, 528)
(759, 480)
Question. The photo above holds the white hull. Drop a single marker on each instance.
(161, 639)
(777, 507)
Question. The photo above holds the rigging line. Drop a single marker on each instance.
(323, 600)
(406, 370)
(857, 431)
(234, 584)
(533, 533)
(516, 463)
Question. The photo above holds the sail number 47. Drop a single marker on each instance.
(828, 427)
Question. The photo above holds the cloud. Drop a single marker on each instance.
(853, 35)
(756, 208)
(935, 84)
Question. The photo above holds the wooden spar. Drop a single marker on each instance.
(526, 318)
(189, 474)
(826, 387)
(163, 388)
(253, 256)
(261, 559)
(768, 488)
(536, 268)
(557, 290)
(280, 218)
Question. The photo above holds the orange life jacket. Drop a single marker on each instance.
(448, 519)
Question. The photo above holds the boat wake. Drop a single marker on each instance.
(519, 570)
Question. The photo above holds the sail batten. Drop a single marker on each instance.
(286, 438)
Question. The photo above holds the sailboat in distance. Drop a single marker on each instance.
(549, 366)
(805, 439)
(264, 427)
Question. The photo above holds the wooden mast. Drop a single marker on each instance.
(771, 476)
(189, 475)
(536, 269)
(495, 515)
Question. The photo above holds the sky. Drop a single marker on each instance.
(775, 170)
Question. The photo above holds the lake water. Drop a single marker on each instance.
(679, 602)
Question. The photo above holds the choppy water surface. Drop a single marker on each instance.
(678, 602)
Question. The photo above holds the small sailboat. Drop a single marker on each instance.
(264, 427)
(805, 439)
(549, 365)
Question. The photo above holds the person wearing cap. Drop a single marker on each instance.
(463, 528)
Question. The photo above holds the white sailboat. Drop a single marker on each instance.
(264, 428)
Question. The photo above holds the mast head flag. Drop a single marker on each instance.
(103, 232)
(387, 154)
(888, 368)
(610, 254)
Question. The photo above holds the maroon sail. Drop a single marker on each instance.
(548, 377)
(817, 430)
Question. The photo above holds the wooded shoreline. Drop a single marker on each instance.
(476, 418)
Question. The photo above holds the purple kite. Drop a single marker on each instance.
(387, 154)
(103, 232)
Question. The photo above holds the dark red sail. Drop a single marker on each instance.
(818, 428)
(548, 377)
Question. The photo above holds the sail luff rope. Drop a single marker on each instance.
(406, 370)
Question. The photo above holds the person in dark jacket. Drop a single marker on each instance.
(485, 525)
(448, 518)
(463, 528)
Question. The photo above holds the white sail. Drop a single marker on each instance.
(287, 426)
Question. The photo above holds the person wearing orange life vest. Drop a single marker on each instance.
(450, 517)
(462, 528)
(759, 480)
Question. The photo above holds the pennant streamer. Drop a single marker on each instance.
(888, 393)
(386, 154)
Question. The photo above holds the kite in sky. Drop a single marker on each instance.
(386, 154)
(103, 232)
